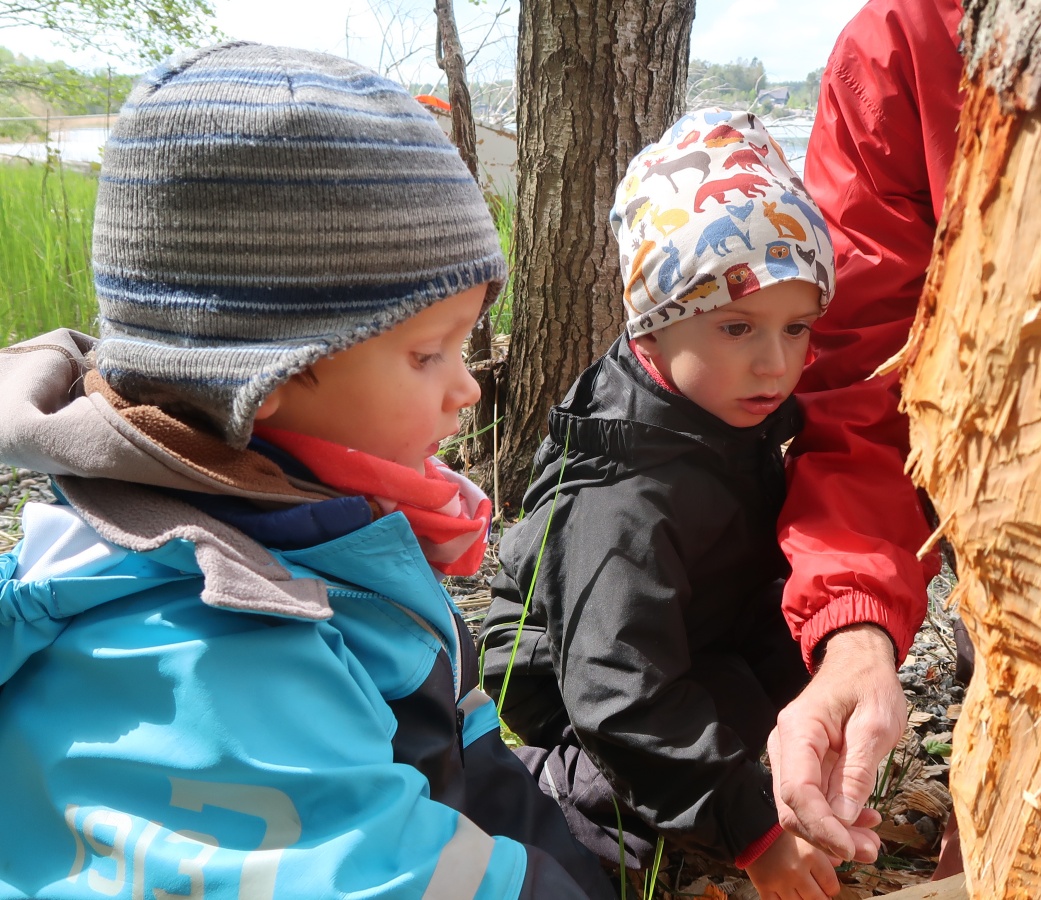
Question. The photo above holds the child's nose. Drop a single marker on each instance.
(466, 391)
(771, 360)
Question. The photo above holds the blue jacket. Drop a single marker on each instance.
(157, 735)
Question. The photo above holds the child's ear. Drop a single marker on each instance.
(647, 344)
(270, 405)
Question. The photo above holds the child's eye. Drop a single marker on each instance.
(736, 329)
(425, 359)
(797, 329)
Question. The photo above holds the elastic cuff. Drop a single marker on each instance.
(857, 608)
(757, 848)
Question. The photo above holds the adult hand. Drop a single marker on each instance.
(828, 742)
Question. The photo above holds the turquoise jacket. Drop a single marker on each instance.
(186, 713)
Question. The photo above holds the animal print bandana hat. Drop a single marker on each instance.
(711, 213)
(261, 207)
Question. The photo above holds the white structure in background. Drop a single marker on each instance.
(497, 150)
(496, 154)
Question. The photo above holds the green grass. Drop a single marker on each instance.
(501, 313)
(46, 215)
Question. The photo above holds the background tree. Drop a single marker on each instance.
(597, 80)
(450, 59)
(973, 392)
(148, 29)
(813, 84)
(151, 28)
(31, 87)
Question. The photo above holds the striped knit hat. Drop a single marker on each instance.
(260, 208)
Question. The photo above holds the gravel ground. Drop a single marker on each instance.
(913, 794)
(17, 487)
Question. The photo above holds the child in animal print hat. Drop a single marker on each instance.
(653, 657)
(228, 665)
(712, 213)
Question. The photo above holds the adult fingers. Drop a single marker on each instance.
(800, 759)
(872, 731)
(866, 844)
(869, 818)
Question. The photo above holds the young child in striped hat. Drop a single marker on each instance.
(653, 656)
(228, 666)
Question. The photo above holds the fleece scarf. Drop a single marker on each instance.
(449, 514)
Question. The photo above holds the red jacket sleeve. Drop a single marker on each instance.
(877, 165)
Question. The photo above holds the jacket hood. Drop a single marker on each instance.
(59, 417)
(617, 411)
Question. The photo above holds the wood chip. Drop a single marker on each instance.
(903, 836)
(931, 798)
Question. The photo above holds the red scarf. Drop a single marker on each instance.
(449, 514)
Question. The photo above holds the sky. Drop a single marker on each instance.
(790, 37)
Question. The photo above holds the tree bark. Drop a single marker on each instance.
(597, 80)
(450, 59)
(973, 392)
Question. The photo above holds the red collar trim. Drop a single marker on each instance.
(649, 368)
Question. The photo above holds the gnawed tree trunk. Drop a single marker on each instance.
(973, 392)
(597, 80)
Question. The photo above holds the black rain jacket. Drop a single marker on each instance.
(646, 626)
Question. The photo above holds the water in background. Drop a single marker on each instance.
(793, 134)
(83, 145)
(75, 145)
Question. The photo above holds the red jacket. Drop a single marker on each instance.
(877, 165)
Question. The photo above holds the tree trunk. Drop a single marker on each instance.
(451, 61)
(973, 393)
(449, 56)
(597, 80)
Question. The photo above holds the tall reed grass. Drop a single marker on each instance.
(501, 313)
(46, 215)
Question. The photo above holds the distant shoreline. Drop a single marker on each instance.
(69, 123)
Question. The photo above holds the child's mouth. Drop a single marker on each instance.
(761, 405)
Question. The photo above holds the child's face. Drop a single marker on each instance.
(395, 395)
(741, 360)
